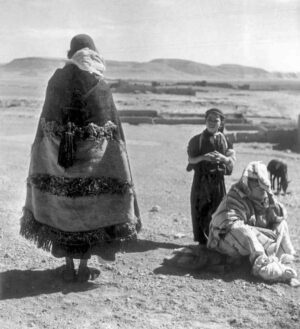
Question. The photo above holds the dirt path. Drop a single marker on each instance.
(136, 290)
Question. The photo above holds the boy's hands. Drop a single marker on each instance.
(215, 156)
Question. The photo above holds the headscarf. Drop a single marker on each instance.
(84, 54)
(255, 170)
(258, 171)
(89, 60)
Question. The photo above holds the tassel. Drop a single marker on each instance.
(66, 152)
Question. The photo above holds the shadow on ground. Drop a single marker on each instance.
(205, 264)
(211, 266)
(27, 283)
(222, 272)
(109, 250)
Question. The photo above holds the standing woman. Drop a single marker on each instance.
(80, 191)
(211, 156)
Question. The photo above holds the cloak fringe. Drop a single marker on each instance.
(79, 186)
(45, 236)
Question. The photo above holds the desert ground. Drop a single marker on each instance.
(136, 289)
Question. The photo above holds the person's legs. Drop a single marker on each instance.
(241, 240)
(195, 213)
(69, 263)
(69, 271)
(204, 218)
(83, 271)
(86, 273)
(283, 241)
(277, 242)
(200, 208)
(83, 263)
(208, 202)
(261, 248)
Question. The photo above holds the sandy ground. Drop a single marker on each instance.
(136, 290)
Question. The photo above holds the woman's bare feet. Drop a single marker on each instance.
(83, 274)
(86, 273)
(69, 273)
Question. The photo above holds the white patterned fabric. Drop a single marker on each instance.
(257, 170)
(242, 227)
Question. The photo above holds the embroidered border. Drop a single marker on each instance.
(79, 186)
(90, 131)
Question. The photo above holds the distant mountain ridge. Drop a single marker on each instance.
(157, 69)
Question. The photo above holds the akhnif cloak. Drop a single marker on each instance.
(79, 188)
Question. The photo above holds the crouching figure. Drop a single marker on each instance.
(250, 222)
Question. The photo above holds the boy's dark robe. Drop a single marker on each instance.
(208, 187)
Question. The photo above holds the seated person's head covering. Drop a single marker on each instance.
(255, 170)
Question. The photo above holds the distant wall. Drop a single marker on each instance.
(241, 131)
(233, 121)
(287, 138)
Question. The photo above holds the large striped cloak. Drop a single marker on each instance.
(72, 207)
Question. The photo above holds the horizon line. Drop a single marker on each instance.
(155, 59)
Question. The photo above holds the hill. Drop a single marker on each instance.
(157, 69)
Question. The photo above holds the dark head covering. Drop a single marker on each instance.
(219, 113)
(215, 111)
(81, 41)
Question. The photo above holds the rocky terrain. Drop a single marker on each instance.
(135, 289)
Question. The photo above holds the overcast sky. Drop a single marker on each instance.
(259, 33)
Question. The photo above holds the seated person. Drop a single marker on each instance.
(250, 222)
